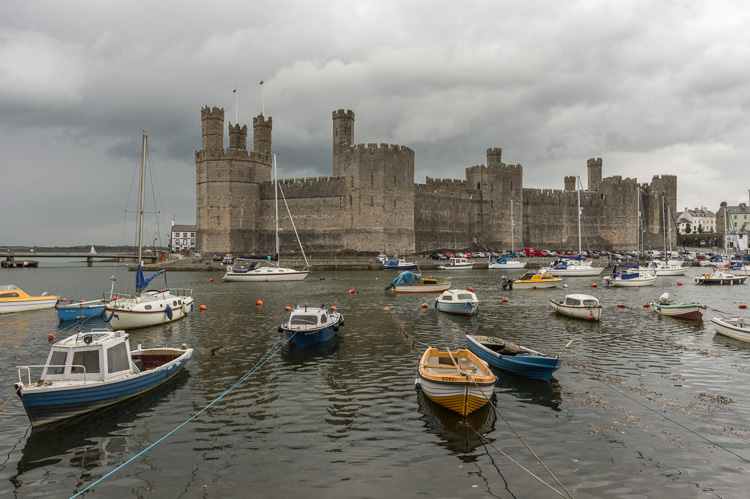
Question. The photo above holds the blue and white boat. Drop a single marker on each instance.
(72, 311)
(458, 302)
(396, 264)
(310, 325)
(512, 358)
(91, 370)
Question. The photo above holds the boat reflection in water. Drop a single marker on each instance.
(530, 391)
(310, 354)
(85, 442)
(456, 432)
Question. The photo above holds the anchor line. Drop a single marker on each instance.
(263, 360)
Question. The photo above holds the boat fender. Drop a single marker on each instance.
(88, 339)
(281, 330)
(341, 321)
(436, 302)
(169, 311)
(104, 315)
(336, 327)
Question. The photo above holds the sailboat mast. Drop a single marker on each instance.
(276, 201)
(142, 195)
(664, 225)
(512, 228)
(579, 216)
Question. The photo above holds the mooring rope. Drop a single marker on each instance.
(11, 396)
(265, 358)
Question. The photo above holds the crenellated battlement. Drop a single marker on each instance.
(341, 113)
(373, 147)
(212, 113)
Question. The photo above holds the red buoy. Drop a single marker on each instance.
(259, 303)
(593, 284)
(646, 305)
(50, 337)
(288, 308)
(202, 307)
(469, 288)
(591, 317)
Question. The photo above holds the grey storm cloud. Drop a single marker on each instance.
(651, 87)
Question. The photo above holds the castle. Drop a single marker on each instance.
(371, 202)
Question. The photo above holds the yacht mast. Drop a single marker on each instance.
(142, 194)
(276, 201)
(512, 228)
(578, 190)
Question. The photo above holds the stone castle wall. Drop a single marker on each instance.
(371, 202)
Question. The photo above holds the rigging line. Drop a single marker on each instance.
(156, 193)
(520, 465)
(293, 226)
(673, 421)
(264, 358)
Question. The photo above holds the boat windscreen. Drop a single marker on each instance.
(406, 278)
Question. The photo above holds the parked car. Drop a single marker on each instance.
(438, 256)
(217, 258)
(227, 259)
(528, 251)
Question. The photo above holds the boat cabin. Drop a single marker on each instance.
(581, 301)
(460, 296)
(309, 317)
(97, 355)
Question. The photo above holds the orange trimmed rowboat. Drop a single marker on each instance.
(456, 379)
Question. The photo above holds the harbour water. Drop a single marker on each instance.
(644, 406)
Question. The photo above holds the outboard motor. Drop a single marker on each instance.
(664, 298)
(507, 283)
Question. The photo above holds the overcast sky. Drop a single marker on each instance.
(652, 87)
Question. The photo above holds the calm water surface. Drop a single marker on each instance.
(624, 417)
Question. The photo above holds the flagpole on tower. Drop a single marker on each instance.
(262, 100)
(235, 105)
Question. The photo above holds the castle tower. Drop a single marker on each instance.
(494, 157)
(570, 183)
(237, 137)
(213, 128)
(262, 129)
(343, 138)
(595, 173)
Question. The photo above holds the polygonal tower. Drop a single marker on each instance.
(343, 137)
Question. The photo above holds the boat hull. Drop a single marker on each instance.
(422, 288)
(734, 327)
(266, 274)
(26, 305)
(462, 266)
(46, 405)
(411, 266)
(720, 281)
(575, 271)
(636, 282)
(304, 337)
(577, 312)
(527, 365)
(467, 308)
(535, 285)
(71, 312)
(507, 265)
(121, 316)
(461, 397)
(691, 311)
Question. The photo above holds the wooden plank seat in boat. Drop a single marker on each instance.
(442, 366)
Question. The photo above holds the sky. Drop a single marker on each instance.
(651, 87)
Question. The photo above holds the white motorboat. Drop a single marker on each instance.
(578, 306)
(14, 299)
(629, 277)
(458, 302)
(456, 263)
(666, 268)
(508, 262)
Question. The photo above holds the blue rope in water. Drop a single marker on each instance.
(265, 358)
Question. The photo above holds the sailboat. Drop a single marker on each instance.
(721, 276)
(248, 270)
(665, 266)
(573, 266)
(147, 307)
(508, 263)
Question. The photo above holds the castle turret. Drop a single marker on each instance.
(213, 128)
(343, 138)
(595, 173)
(494, 156)
(262, 129)
(237, 137)
(570, 183)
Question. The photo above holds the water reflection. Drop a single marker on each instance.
(313, 353)
(456, 432)
(545, 394)
(86, 441)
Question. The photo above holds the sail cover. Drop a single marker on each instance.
(141, 282)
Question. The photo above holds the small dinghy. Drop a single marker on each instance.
(458, 302)
(73, 311)
(734, 327)
(410, 282)
(456, 379)
(578, 306)
(310, 325)
(512, 358)
(678, 310)
(91, 370)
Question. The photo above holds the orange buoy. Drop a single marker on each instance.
(593, 284)
(322, 278)
(211, 280)
(259, 303)
(620, 305)
(591, 317)
(202, 307)
(742, 305)
(386, 308)
(334, 308)
(64, 299)
(469, 288)
(288, 308)
(679, 283)
(646, 305)
(351, 290)
(505, 300)
(116, 298)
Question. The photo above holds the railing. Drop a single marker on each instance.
(110, 296)
(28, 371)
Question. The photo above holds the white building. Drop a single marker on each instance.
(182, 238)
(699, 217)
